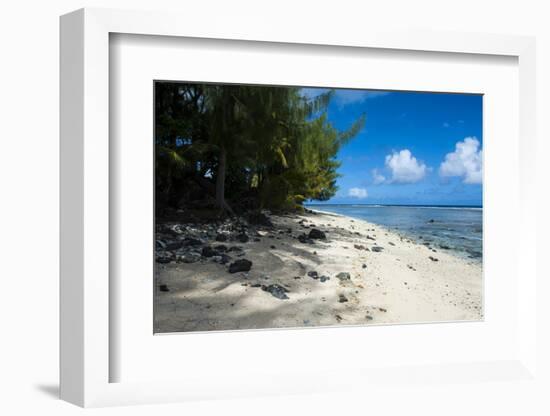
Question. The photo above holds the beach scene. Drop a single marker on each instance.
(295, 207)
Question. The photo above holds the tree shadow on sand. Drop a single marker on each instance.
(207, 297)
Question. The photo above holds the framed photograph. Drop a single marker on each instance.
(272, 204)
(263, 197)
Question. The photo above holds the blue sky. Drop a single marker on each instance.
(415, 148)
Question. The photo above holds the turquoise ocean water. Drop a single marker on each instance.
(459, 229)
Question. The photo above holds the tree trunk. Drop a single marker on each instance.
(220, 179)
(211, 189)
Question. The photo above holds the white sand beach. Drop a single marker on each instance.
(404, 282)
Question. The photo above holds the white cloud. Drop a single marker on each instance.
(377, 178)
(357, 193)
(446, 124)
(344, 97)
(466, 162)
(404, 167)
(310, 93)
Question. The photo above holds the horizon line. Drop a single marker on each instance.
(400, 205)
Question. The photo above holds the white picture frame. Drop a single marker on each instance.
(85, 220)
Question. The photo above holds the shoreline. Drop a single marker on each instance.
(457, 251)
(360, 273)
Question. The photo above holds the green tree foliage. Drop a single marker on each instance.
(244, 147)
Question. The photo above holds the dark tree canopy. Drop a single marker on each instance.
(237, 147)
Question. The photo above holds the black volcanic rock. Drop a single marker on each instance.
(316, 234)
(192, 242)
(313, 274)
(243, 238)
(277, 291)
(221, 237)
(343, 276)
(304, 239)
(241, 265)
(174, 245)
(208, 251)
(163, 259)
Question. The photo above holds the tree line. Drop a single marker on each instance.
(235, 148)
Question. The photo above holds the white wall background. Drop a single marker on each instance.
(29, 116)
